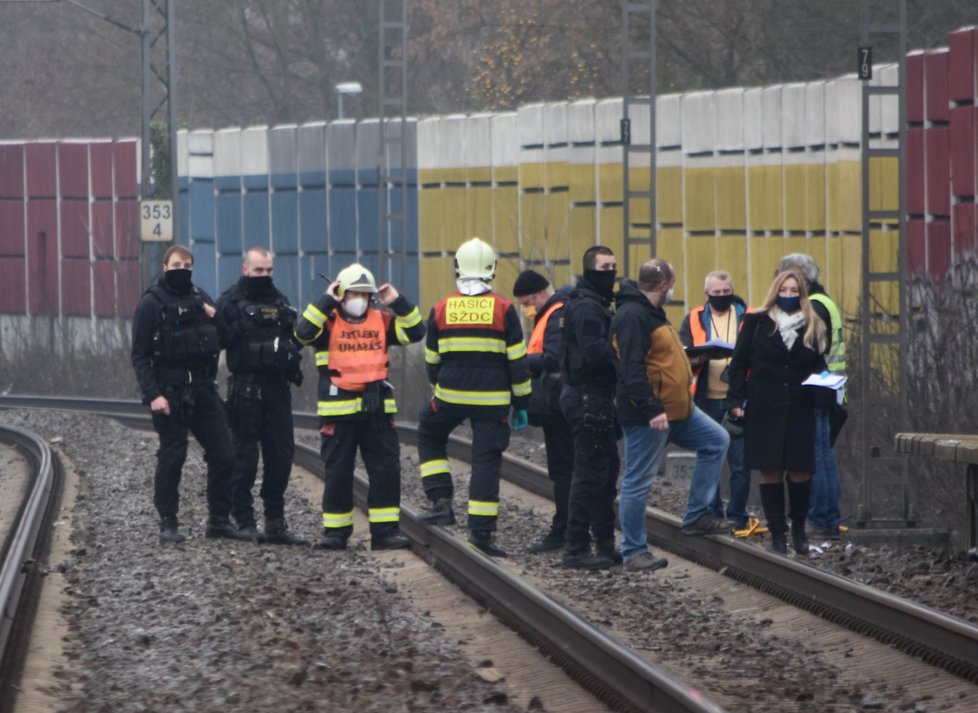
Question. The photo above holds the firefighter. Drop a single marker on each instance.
(176, 338)
(263, 359)
(476, 362)
(356, 402)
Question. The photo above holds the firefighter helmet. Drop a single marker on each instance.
(356, 278)
(475, 259)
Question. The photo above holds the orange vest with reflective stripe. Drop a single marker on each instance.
(535, 345)
(358, 351)
(698, 332)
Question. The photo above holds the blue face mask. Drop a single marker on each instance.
(789, 304)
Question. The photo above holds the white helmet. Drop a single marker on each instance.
(356, 278)
(475, 259)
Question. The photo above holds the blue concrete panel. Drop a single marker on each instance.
(202, 210)
(229, 223)
(311, 285)
(227, 183)
(311, 154)
(312, 220)
(255, 182)
(205, 268)
(312, 179)
(342, 219)
(183, 213)
(285, 223)
(228, 270)
(256, 216)
(368, 220)
(412, 219)
(287, 276)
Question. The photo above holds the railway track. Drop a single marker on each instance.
(942, 641)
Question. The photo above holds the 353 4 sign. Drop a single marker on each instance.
(156, 221)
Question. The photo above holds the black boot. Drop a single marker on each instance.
(606, 548)
(331, 540)
(441, 513)
(277, 533)
(581, 558)
(390, 541)
(482, 541)
(169, 534)
(222, 527)
(772, 500)
(799, 497)
(552, 541)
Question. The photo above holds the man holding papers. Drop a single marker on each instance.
(708, 332)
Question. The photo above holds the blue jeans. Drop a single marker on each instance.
(739, 475)
(643, 449)
(824, 510)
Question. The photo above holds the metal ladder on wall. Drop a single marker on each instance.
(883, 496)
(637, 64)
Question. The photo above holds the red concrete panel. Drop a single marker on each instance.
(13, 296)
(915, 87)
(102, 229)
(103, 287)
(938, 171)
(128, 286)
(938, 248)
(42, 256)
(965, 229)
(961, 65)
(962, 149)
(935, 85)
(11, 171)
(41, 162)
(73, 170)
(76, 287)
(916, 246)
(11, 228)
(74, 228)
(124, 163)
(916, 172)
(127, 229)
(100, 156)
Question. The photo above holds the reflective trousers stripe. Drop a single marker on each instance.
(434, 467)
(333, 520)
(487, 509)
(383, 514)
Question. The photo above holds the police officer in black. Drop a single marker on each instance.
(588, 367)
(263, 359)
(176, 338)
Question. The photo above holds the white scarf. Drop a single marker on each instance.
(788, 325)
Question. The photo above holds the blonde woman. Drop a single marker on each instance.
(780, 345)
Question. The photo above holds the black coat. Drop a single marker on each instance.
(766, 379)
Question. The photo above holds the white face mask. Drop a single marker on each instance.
(669, 294)
(472, 286)
(355, 306)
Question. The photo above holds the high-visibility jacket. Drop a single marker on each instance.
(475, 355)
(836, 358)
(349, 355)
(698, 322)
(535, 345)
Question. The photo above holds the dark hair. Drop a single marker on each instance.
(178, 250)
(591, 254)
(653, 273)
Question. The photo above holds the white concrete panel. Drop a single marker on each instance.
(282, 149)
(607, 130)
(843, 110)
(698, 130)
(580, 121)
(815, 114)
(529, 125)
(668, 125)
(793, 110)
(641, 126)
(428, 142)
(753, 124)
(227, 152)
(477, 141)
(407, 131)
(451, 141)
(200, 153)
(555, 132)
(341, 143)
(890, 106)
(771, 116)
(728, 115)
(368, 144)
(254, 151)
(505, 140)
(311, 147)
(183, 162)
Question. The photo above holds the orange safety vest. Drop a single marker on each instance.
(535, 346)
(698, 332)
(358, 351)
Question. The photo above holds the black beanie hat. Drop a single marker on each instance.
(529, 282)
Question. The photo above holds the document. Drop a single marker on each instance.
(713, 349)
(826, 380)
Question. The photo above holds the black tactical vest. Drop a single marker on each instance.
(264, 322)
(186, 338)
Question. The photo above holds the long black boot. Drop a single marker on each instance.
(772, 500)
(799, 496)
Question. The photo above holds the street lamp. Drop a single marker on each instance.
(346, 88)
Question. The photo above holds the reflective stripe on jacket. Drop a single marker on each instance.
(836, 358)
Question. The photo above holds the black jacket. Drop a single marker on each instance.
(586, 355)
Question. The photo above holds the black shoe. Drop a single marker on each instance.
(441, 513)
(583, 559)
(251, 531)
(169, 534)
(277, 533)
(706, 525)
(482, 541)
(330, 542)
(390, 542)
(551, 543)
(799, 541)
(224, 529)
(779, 543)
(607, 549)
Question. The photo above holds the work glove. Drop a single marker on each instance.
(519, 420)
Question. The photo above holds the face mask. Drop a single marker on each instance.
(180, 281)
(603, 281)
(355, 306)
(670, 293)
(258, 285)
(529, 311)
(789, 304)
(472, 286)
(720, 303)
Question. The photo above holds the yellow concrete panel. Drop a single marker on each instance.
(505, 174)
(478, 212)
(429, 215)
(884, 183)
(428, 176)
(700, 199)
(831, 268)
(478, 174)
(610, 183)
(884, 250)
(558, 225)
(564, 274)
(557, 175)
(794, 197)
(454, 175)
(671, 246)
(452, 228)
(437, 276)
(640, 209)
(441, 214)
(732, 258)
(669, 200)
(582, 183)
(506, 271)
(851, 282)
(533, 226)
(506, 219)
(815, 246)
(583, 231)
(815, 196)
(533, 175)
(676, 312)
(797, 244)
(885, 297)
(731, 198)
(610, 234)
(638, 255)
(701, 258)
(765, 253)
(844, 196)
(774, 197)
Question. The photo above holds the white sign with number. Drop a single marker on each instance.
(156, 221)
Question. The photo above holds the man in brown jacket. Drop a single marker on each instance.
(655, 406)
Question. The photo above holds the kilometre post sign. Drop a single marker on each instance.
(156, 221)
